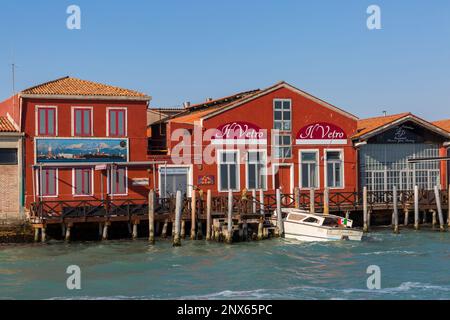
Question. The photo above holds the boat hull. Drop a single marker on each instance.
(304, 232)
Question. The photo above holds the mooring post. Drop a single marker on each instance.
(416, 207)
(67, 235)
(151, 216)
(164, 229)
(326, 201)
(193, 213)
(365, 211)
(437, 194)
(208, 214)
(297, 197)
(395, 199)
(178, 210)
(279, 215)
(105, 231)
(36, 234)
(312, 202)
(261, 201)
(229, 237)
(347, 214)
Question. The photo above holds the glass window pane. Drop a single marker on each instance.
(277, 115)
(233, 176)
(78, 122)
(112, 123)
(51, 121)
(223, 177)
(252, 176)
(42, 121)
(333, 155)
(277, 104)
(305, 178)
(121, 123)
(308, 156)
(330, 180)
(286, 115)
(87, 122)
(286, 104)
(337, 174)
(277, 126)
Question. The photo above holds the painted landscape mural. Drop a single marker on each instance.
(81, 150)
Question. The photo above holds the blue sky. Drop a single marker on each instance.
(189, 50)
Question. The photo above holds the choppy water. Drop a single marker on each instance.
(414, 265)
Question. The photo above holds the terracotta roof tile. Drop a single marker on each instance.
(73, 86)
(6, 125)
(444, 124)
(368, 125)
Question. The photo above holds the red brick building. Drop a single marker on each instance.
(279, 137)
(82, 141)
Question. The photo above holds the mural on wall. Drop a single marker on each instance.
(81, 150)
(239, 132)
(321, 133)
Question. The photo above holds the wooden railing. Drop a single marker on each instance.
(247, 204)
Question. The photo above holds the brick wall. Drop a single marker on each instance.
(9, 192)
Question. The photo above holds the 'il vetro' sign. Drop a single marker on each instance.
(239, 133)
(321, 133)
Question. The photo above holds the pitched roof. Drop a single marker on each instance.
(69, 86)
(6, 125)
(368, 125)
(211, 108)
(444, 124)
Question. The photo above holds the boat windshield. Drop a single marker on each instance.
(331, 222)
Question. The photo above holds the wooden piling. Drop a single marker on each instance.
(68, 233)
(208, 215)
(297, 197)
(229, 237)
(279, 215)
(260, 229)
(433, 219)
(164, 229)
(63, 229)
(395, 199)
(199, 230)
(416, 207)
(44, 234)
(312, 202)
(326, 201)
(253, 201)
(105, 231)
(135, 230)
(183, 229)
(437, 194)
(36, 234)
(193, 213)
(448, 204)
(100, 230)
(151, 216)
(178, 211)
(406, 221)
(347, 214)
(261, 202)
(365, 211)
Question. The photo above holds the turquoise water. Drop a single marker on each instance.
(414, 265)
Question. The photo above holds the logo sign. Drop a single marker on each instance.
(140, 182)
(206, 180)
(239, 133)
(321, 133)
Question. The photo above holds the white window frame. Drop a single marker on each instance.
(190, 176)
(38, 184)
(107, 120)
(275, 134)
(326, 168)
(108, 182)
(300, 162)
(72, 111)
(247, 169)
(238, 166)
(74, 185)
(273, 113)
(36, 119)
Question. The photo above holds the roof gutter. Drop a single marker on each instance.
(84, 97)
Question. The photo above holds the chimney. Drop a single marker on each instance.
(209, 99)
(384, 113)
(186, 104)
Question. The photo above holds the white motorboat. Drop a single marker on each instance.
(305, 226)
